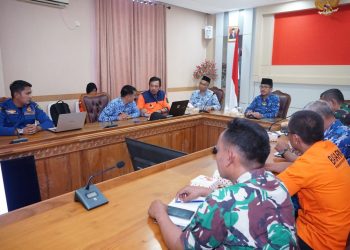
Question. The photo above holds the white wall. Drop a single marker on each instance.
(41, 45)
(2, 84)
(185, 49)
(303, 83)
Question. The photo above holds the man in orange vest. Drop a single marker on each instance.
(154, 99)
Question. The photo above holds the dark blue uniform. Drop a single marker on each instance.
(12, 117)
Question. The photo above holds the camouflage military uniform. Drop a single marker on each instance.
(339, 134)
(256, 212)
(343, 114)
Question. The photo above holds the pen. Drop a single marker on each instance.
(192, 201)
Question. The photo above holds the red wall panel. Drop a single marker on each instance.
(308, 38)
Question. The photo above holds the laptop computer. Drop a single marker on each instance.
(70, 121)
(178, 108)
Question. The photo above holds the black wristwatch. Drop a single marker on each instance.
(283, 152)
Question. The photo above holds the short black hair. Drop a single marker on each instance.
(90, 87)
(308, 125)
(18, 86)
(333, 94)
(127, 90)
(250, 138)
(154, 79)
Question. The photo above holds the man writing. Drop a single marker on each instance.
(321, 177)
(255, 212)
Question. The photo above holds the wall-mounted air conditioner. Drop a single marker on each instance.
(52, 3)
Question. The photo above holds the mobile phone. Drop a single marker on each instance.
(180, 212)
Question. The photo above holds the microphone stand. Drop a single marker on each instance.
(270, 127)
(203, 109)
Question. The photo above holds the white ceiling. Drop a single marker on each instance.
(217, 6)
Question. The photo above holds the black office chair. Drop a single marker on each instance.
(20, 182)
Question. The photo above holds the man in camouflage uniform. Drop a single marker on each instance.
(255, 212)
(341, 110)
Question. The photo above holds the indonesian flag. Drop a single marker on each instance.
(235, 69)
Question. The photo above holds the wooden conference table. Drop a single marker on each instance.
(64, 161)
(61, 223)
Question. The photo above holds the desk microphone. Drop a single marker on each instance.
(90, 196)
(205, 105)
(269, 129)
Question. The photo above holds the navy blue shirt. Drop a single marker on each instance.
(12, 117)
(268, 108)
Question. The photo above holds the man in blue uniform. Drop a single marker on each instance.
(265, 105)
(121, 108)
(204, 98)
(18, 114)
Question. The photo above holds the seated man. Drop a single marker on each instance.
(153, 100)
(334, 131)
(121, 108)
(254, 213)
(336, 99)
(266, 105)
(18, 114)
(91, 89)
(204, 98)
(321, 177)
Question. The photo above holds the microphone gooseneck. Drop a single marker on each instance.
(205, 104)
(119, 164)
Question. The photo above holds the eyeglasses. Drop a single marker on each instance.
(264, 86)
(215, 150)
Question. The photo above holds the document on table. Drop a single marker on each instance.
(191, 206)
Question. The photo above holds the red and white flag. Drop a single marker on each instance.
(235, 69)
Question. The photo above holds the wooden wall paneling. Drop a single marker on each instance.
(190, 139)
(159, 140)
(112, 154)
(59, 175)
(42, 178)
(75, 170)
(177, 140)
(201, 137)
(91, 162)
(213, 135)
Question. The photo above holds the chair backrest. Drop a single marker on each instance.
(285, 100)
(20, 182)
(219, 93)
(94, 104)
